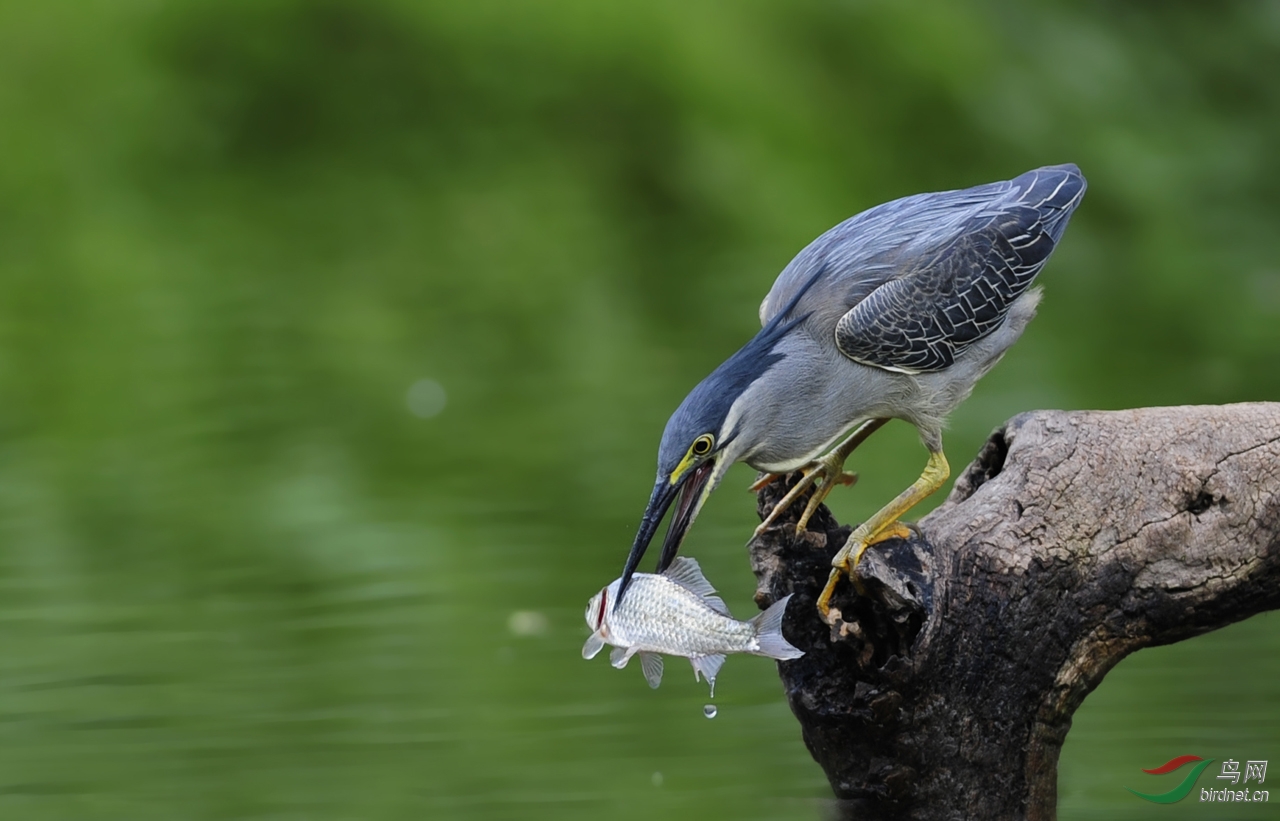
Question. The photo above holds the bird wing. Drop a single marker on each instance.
(860, 254)
(911, 283)
(955, 294)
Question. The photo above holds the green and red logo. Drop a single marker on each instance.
(1182, 790)
(1238, 788)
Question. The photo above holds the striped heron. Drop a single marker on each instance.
(894, 313)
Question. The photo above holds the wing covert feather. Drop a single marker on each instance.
(920, 321)
(914, 282)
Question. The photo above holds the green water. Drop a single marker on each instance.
(336, 340)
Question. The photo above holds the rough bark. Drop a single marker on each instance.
(946, 689)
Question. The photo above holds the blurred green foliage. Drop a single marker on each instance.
(239, 578)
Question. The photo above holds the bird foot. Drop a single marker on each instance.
(825, 472)
(844, 562)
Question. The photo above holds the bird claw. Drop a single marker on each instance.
(763, 482)
(825, 472)
(820, 495)
(842, 565)
(824, 600)
(831, 468)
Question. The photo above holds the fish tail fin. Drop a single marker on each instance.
(768, 627)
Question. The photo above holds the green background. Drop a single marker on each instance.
(247, 572)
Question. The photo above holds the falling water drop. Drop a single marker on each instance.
(710, 711)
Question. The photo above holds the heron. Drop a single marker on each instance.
(894, 313)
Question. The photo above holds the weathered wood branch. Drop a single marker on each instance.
(946, 690)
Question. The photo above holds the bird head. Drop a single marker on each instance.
(697, 448)
(708, 433)
(703, 438)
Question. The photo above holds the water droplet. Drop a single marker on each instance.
(657, 779)
(426, 398)
(710, 711)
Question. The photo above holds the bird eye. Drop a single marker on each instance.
(702, 445)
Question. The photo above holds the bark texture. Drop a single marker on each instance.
(945, 691)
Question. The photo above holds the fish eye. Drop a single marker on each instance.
(702, 445)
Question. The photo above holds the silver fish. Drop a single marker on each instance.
(678, 613)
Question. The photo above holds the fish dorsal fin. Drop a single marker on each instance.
(708, 667)
(594, 642)
(686, 573)
(620, 656)
(651, 665)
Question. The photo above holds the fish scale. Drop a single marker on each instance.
(668, 618)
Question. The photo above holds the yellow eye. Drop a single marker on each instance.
(702, 445)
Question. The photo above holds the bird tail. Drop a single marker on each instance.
(1054, 191)
(768, 627)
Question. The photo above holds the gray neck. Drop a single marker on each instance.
(785, 418)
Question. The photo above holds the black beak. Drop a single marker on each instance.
(690, 494)
(689, 488)
(664, 493)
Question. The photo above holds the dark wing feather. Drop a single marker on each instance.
(947, 297)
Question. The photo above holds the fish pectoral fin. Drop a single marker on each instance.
(651, 664)
(620, 656)
(686, 572)
(594, 642)
(708, 667)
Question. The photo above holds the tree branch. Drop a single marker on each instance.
(947, 689)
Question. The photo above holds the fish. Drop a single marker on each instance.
(677, 612)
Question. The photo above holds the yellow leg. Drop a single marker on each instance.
(883, 525)
(827, 471)
(763, 482)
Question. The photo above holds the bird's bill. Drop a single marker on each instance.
(693, 492)
(690, 491)
(664, 493)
